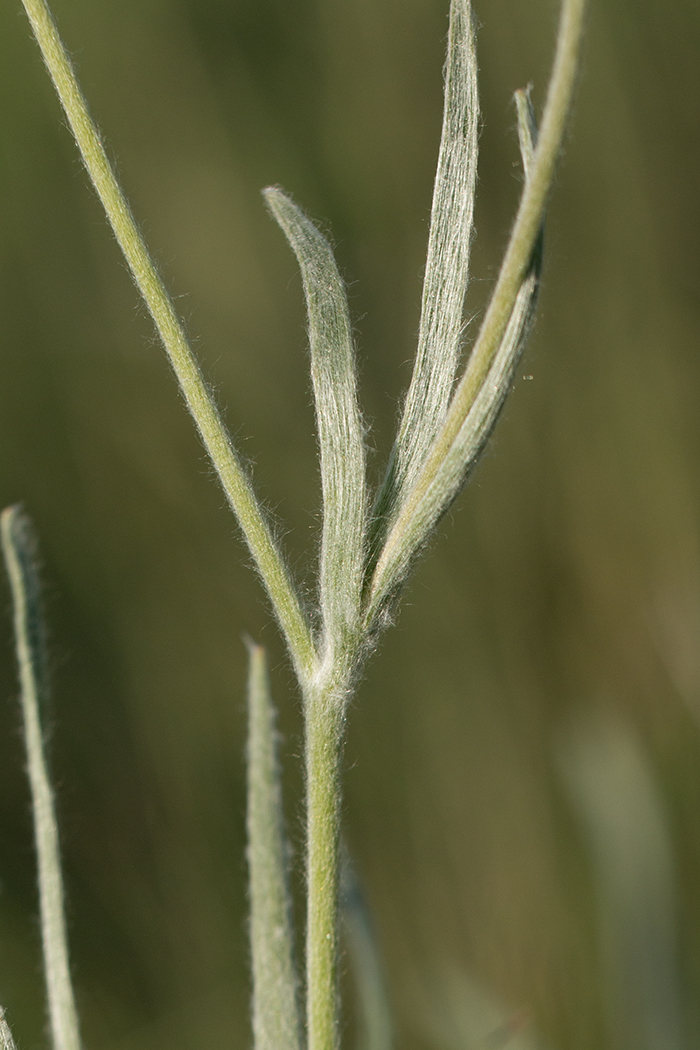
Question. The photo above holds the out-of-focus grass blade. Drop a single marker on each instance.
(377, 1031)
(19, 550)
(447, 265)
(459, 1013)
(612, 787)
(340, 433)
(276, 1024)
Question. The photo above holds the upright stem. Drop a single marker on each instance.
(324, 728)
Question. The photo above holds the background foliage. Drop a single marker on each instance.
(566, 580)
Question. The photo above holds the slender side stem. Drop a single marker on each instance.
(199, 400)
(324, 725)
(18, 550)
(512, 273)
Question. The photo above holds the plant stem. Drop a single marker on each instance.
(324, 729)
(199, 400)
(18, 551)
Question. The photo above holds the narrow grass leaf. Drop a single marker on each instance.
(340, 432)
(463, 454)
(479, 396)
(483, 414)
(276, 1023)
(198, 397)
(447, 266)
(6, 1040)
(486, 407)
(19, 552)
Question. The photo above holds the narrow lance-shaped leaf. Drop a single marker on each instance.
(276, 1024)
(19, 552)
(447, 267)
(479, 396)
(464, 452)
(340, 431)
(6, 1040)
(483, 415)
(200, 402)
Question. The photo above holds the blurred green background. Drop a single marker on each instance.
(523, 758)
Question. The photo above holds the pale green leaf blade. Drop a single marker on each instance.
(402, 547)
(340, 432)
(447, 265)
(19, 549)
(479, 395)
(276, 1023)
(482, 416)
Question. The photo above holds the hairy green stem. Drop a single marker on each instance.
(324, 728)
(18, 550)
(513, 271)
(199, 400)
